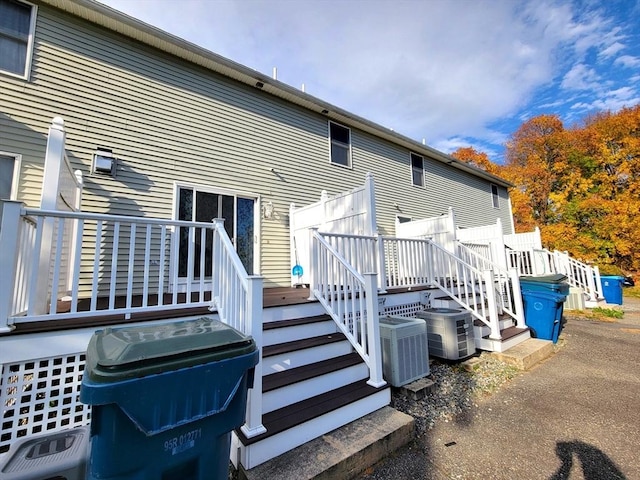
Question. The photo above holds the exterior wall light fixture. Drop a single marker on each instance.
(104, 162)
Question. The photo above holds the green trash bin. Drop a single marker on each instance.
(165, 398)
(556, 283)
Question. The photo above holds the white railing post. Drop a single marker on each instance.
(382, 264)
(492, 305)
(253, 425)
(53, 161)
(370, 198)
(313, 265)
(373, 331)
(596, 280)
(9, 238)
(517, 297)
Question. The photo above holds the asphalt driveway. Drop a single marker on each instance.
(574, 416)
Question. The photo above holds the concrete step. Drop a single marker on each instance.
(341, 453)
(297, 424)
(526, 354)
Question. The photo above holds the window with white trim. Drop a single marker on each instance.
(9, 170)
(17, 22)
(417, 170)
(495, 196)
(340, 144)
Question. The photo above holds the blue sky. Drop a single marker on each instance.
(452, 72)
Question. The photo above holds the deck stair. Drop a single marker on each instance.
(313, 383)
(509, 333)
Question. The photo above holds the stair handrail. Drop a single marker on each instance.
(414, 262)
(470, 282)
(237, 297)
(507, 283)
(350, 299)
(579, 274)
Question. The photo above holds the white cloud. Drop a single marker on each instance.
(437, 69)
(611, 50)
(580, 77)
(628, 61)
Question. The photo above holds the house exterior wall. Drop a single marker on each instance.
(170, 121)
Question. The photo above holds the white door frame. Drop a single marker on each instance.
(180, 282)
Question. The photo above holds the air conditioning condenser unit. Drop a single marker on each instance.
(451, 334)
(405, 349)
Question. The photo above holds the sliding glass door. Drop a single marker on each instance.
(200, 205)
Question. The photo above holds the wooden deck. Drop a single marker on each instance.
(272, 297)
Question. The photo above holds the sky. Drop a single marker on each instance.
(454, 73)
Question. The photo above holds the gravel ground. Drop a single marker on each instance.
(457, 387)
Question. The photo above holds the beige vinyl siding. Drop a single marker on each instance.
(170, 121)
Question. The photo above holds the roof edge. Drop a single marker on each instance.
(112, 19)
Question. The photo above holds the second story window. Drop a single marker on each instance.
(417, 170)
(340, 144)
(16, 33)
(495, 196)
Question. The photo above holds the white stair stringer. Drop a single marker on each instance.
(257, 453)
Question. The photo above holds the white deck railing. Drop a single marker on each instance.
(509, 297)
(408, 262)
(415, 262)
(350, 298)
(581, 275)
(544, 262)
(130, 265)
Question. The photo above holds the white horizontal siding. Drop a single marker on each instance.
(169, 121)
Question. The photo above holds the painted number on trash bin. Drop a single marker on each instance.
(182, 442)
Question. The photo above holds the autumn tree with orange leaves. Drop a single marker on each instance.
(580, 185)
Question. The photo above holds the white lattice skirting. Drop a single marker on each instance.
(41, 396)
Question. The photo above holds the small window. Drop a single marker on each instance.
(417, 170)
(17, 21)
(340, 144)
(9, 171)
(495, 197)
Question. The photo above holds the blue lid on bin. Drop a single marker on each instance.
(117, 354)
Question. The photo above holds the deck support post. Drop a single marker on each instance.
(9, 239)
(596, 279)
(517, 297)
(373, 331)
(53, 160)
(253, 425)
(313, 262)
(382, 264)
(492, 305)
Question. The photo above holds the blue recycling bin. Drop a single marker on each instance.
(543, 313)
(165, 398)
(612, 288)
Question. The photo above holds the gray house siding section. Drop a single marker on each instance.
(469, 195)
(171, 121)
